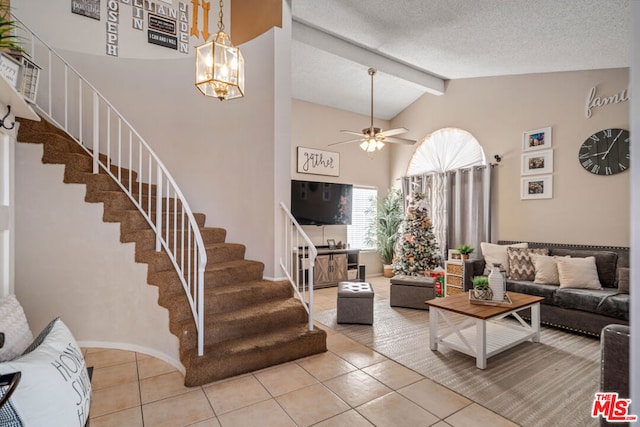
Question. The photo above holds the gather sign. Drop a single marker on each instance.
(593, 100)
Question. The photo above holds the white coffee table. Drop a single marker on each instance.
(480, 330)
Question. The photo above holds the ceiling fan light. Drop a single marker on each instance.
(379, 145)
(372, 146)
(364, 145)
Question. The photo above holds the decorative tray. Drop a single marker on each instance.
(504, 303)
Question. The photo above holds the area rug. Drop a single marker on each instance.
(551, 383)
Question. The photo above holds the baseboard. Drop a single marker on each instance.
(137, 348)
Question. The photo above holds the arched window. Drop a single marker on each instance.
(444, 150)
(450, 168)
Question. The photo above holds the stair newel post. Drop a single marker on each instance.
(96, 131)
(312, 262)
(158, 206)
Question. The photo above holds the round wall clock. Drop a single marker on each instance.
(605, 152)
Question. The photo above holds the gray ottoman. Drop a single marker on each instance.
(355, 303)
(411, 291)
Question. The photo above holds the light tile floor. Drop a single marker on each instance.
(349, 385)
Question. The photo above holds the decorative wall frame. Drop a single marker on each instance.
(536, 187)
(11, 69)
(537, 139)
(537, 162)
(318, 162)
(454, 256)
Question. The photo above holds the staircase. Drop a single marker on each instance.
(249, 323)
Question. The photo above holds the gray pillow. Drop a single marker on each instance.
(623, 280)
(605, 262)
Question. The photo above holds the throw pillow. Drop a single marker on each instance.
(54, 389)
(623, 280)
(578, 273)
(546, 270)
(520, 265)
(497, 254)
(13, 322)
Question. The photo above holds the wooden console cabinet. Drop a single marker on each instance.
(333, 266)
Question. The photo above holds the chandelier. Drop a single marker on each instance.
(220, 66)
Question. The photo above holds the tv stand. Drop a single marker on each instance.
(332, 266)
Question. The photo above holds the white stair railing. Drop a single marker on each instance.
(68, 100)
(297, 260)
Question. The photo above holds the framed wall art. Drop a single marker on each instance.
(10, 68)
(537, 162)
(538, 139)
(536, 187)
(318, 162)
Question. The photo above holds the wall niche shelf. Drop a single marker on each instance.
(19, 107)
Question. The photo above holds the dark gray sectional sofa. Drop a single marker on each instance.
(582, 310)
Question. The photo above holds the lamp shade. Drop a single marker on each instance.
(220, 68)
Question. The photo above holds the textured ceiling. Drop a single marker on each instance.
(451, 39)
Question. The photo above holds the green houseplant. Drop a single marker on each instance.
(464, 251)
(481, 289)
(8, 40)
(383, 232)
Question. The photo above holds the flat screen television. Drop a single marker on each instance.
(321, 203)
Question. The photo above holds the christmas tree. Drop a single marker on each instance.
(417, 249)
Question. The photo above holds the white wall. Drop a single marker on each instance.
(585, 208)
(71, 264)
(316, 126)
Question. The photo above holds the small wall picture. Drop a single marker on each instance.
(536, 187)
(537, 162)
(331, 243)
(536, 139)
(10, 69)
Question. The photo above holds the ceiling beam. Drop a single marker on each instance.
(311, 36)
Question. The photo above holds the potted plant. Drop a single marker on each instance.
(383, 232)
(8, 40)
(481, 289)
(464, 251)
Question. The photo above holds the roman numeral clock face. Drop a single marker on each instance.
(605, 152)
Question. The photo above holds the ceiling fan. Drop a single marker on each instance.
(373, 138)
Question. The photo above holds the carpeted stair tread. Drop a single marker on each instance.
(134, 219)
(225, 273)
(216, 253)
(252, 320)
(232, 297)
(30, 129)
(146, 239)
(221, 274)
(253, 353)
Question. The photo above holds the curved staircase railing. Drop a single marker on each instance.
(73, 104)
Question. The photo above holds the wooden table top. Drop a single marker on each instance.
(460, 304)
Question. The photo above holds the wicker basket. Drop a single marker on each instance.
(454, 280)
(452, 290)
(454, 269)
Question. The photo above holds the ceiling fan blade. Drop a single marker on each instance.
(350, 132)
(347, 142)
(396, 131)
(398, 140)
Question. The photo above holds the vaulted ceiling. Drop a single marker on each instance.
(417, 45)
